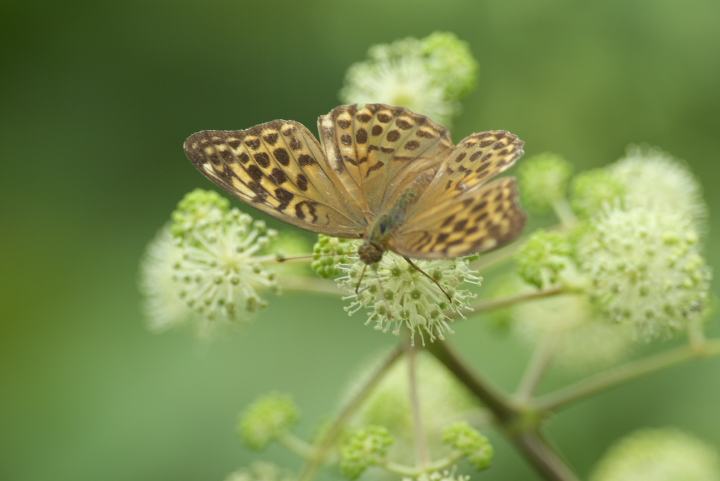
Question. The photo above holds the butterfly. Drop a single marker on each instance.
(379, 173)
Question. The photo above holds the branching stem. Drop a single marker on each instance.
(621, 374)
(513, 422)
(507, 301)
(353, 403)
(536, 368)
(422, 455)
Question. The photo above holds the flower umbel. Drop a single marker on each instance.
(208, 273)
(543, 180)
(266, 419)
(328, 252)
(473, 445)
(397, 294)
(543, 258)
(365, 448)
(656, 180)
(646, 269)
(426, 75)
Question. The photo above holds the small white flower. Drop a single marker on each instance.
(397, 294)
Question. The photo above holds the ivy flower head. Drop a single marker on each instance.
(656, 180)
(428, 75)
(543, 180)
(205, 268)
(395, 294)
(646, 269)
(591, 190)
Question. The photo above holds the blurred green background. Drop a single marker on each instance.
(96, 99)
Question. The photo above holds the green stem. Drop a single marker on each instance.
(296, 445)
(414, 472)
(525, 436)
(495, 400)
(346, 412)
(486, 261)
(536, 368)
(696, 334)
(507, 301)
(621, 374)
(564, 212)
(310, 284)
(421, 448)
(539, 453)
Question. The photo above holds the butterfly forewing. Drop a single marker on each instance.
(379, 150)
(280, 169)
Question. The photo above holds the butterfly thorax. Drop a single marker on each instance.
(380, 231)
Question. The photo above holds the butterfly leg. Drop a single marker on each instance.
(429, 277)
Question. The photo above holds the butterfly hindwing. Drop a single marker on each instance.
(460, 213)
(475, 161)
(485, 219)
(279, 168)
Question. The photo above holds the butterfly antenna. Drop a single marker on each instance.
(429, 277)
(293, 258)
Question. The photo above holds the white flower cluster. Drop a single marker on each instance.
(646, 269)
(204, 268)
(642, 251)
(397, 294)
(428, 76)
(633, 258)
